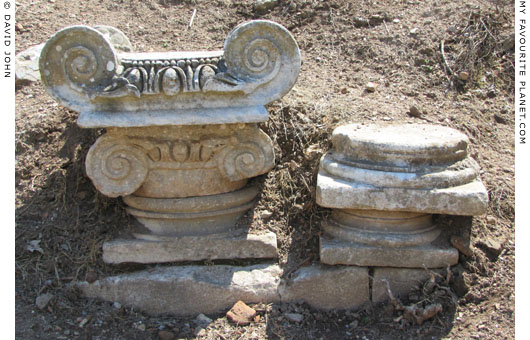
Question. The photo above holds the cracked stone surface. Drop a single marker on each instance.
(183, 290)
(190, 249)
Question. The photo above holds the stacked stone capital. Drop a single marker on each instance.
(182, 138)
(384, 183)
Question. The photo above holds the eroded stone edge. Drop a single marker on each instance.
(184, 290)
(468, 199)
(336, 252)
(190, 249)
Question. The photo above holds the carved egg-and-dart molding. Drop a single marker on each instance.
(88, 70)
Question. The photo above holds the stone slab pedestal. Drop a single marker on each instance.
(333, 252)
(182, 249)
(185, 290)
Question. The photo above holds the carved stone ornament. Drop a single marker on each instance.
(383, 184)
(182, 139)
(94, 71)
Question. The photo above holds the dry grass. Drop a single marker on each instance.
(478, 50)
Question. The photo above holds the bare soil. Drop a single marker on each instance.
(345, 45)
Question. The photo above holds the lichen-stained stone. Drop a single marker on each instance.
(189, 290)
(190, 249)
(327, 287)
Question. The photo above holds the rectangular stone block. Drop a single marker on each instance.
(335, 252)
(326, 287)
(184, 290)
(190, 249)
(467, 199)
(402, 281)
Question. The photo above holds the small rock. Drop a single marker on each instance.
(491, 220)
(166, 335)
(241, 314)
(141, 327)
(262, 6)
(354, 324)
(492, 247)
(203, 320)
(462, 246)
(370, 87)
(463, 75)
(19, 27)
(376, 19)
(116, 305)
(27, 65)
(43, 300)
(83, 322)
(414, 111)
(34, 245)
(266, 214)
(395, 21)
(91, 276)
(414, 31)
(344, 90)
(499, 119)
(360, 22)
(295, 317)
(199, 331)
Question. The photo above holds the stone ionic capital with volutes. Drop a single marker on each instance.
(174, 161)
(94, 72)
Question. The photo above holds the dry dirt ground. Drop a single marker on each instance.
(344, 45)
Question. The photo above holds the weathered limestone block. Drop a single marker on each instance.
(185, 290)
(335, 251)
(326, 287)
(182, 139)
(401, 281)
(383, 184)
(190, 249)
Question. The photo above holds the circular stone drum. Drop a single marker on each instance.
(384, 182)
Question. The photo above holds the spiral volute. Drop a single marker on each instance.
(263, 51)
(76, 61)
(116, 167)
